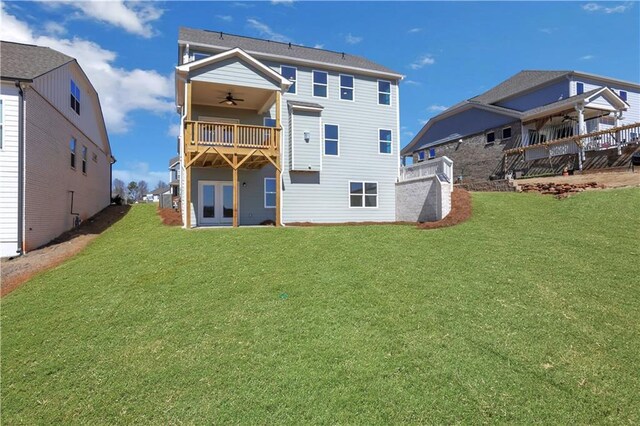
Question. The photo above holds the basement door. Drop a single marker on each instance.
(215, 203)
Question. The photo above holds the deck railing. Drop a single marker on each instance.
(441, 166)
(231, 135)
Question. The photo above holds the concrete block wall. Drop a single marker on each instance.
(422, 200)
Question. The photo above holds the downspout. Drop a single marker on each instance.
(21, 171)
(112, 161)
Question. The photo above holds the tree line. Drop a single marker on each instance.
(134, 191)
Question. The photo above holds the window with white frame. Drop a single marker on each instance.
(623, 95)
(579, 88)
(346, 87)
(291, 74)
(199, 55)
(269, 122)
(421, 156)
(320, 83)
(384, 141)
(75, 97)
(363, 194)
(269, 193)
(384, 92)
(506, 133)
(331, 139)
(432, 153)
(72, 148)
(1, 126)
(491, 137)
(84, 159)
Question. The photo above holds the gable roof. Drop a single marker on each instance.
(218, 40)
(570, 102)
(27, 61)
(524, 80)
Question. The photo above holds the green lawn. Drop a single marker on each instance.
(529, 312)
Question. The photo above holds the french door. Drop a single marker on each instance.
(215, 202)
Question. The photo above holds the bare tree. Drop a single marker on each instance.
(133, 191)
(119, 189)
(161, 184)
(143, 189)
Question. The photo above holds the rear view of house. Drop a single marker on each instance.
(275, 132)
(55, 157)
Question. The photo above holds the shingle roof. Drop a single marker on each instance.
(304, 104)
(26, 61)
(255, 45)
(160, 191)
(522, 81)
(174, 160)
(569, 102)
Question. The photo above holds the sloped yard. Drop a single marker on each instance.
(528, 312)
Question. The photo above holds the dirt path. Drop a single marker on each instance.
(16, 271)
(607, 179)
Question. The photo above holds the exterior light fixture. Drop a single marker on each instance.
(307, 135)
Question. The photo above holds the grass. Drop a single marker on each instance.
(526, 313)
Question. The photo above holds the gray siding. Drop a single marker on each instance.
(324, 196)
(246, 116)
(632, 115)
(251, 190)
(306, 154)
(542, 96)
(236, 72)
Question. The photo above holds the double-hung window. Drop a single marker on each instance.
(320, 83)
(363, 194)
(420, 156)
(491, 137)
(331, 138)
(384, 92)
(432, 153)
(269, 193)
(72, 148)
(346, 87)
(291, 74)
(384, 141)
(579, 88)
(623, 95)
(84, 159)
(75, 97)
(506, 133)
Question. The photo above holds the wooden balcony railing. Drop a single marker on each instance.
(231, 135)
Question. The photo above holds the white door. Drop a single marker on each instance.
(215, 203)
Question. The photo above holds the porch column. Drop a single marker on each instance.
(581, 156)
(278, 163)
(186, 138)
(188, 192)
(617, 115)
(235, 190)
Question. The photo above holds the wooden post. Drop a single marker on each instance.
(188, 134)
(235, 190)
(188, 193)
(278, 168)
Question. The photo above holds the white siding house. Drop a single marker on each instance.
(55, 159)
(284, 133)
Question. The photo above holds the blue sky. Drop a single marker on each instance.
(448, 51)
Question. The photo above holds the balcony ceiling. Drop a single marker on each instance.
(212, 93)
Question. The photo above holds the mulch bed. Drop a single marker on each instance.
(461, 211)
(559, 190)
(170, 217)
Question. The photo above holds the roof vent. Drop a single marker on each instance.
(342, 55)
(221, 35)
(289, 45)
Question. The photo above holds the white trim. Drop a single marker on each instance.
(264, 192)
(353, 87)
(306, 108)
(379, 92)
(237, 52)
(364, 193)
(429, 153)
(486, 137)
(264, 119)
(313, 84)
(295, 81)
(502, 133)
(390, 142)
(222, 120)
(309, 62)
(2, 126)
(324, 138)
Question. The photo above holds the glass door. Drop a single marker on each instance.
(215, 201)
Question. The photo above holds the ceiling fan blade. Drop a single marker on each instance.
(239, 100)
(222, 101)
(233, 102)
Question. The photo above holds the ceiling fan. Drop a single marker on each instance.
(568, 118)
(230, 100)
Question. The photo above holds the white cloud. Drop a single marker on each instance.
(423, 121)
(422, 61)
(351, 39)
(595, 7)
(54, 28)
(284, 2)
(414, 30)
(586, 57)
(226, 18)
(137, 171)
(121, 90)
(174, 130)
(133, 16)
(265, 31)
(412, 82)
(318, 46)
(436, 108)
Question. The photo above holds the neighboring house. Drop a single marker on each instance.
(155, 195)
(523, 114)
(174, 176)
(55, 157)
(285, 133)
